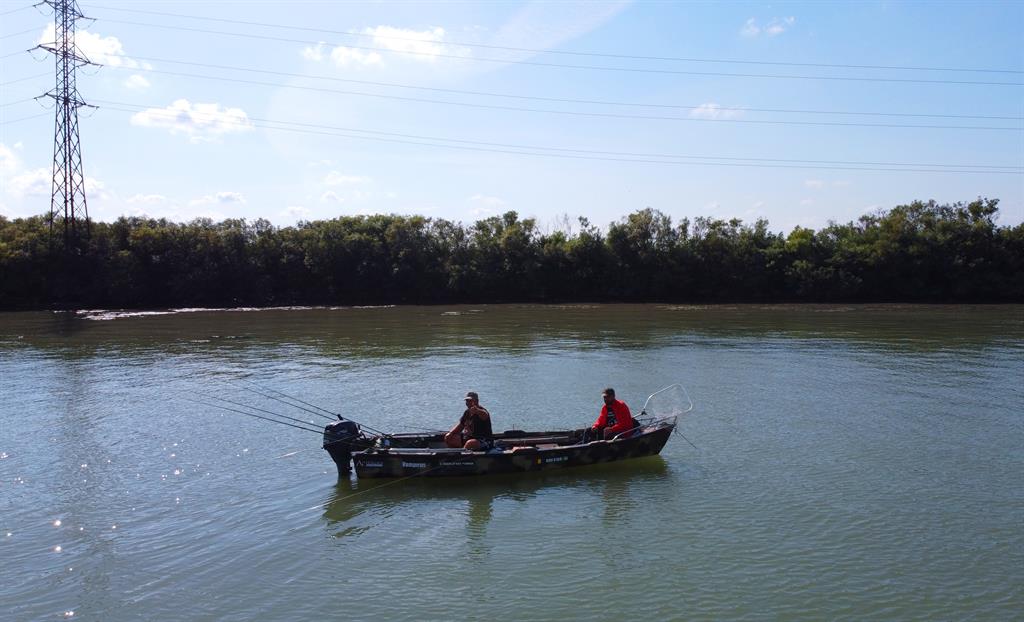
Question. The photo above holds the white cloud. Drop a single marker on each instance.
(97, 48)
(422, 44)
(39, 183)
(334, 178)
(296, 211)
(480, 199)
(314, 53)
(8, 161)
(418, 45)
(714, 111)
(775, 26)
(806, 201)
(814, 183)
(778, 25)
(96, 189)
(331, 197)
(31, 183)
(150, 199)
(343, 57)
(230, 197)
(758, 204)
(221, 198)
(200, 122)
(135, 81)
(750, 28)
(484, 204)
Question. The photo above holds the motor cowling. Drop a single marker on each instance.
(339, 439)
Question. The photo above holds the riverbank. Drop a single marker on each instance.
(921, 252)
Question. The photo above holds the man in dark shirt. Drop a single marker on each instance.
(473, 431)
(615, 417)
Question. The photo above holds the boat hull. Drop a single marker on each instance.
(425, 462)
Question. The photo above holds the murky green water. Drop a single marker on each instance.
(851, 463)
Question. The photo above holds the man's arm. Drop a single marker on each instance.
(456, 429)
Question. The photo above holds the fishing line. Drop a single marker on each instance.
(334, 414)
(263, 410)
(344, 439)
(242, 412)
(277, 399)
(329, 415)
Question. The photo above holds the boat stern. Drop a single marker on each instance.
(340, 439)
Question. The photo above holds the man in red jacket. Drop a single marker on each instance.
(614, 418)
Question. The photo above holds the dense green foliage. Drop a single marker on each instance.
(919, 252)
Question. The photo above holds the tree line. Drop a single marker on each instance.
(921, 252)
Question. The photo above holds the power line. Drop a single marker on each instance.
(569, 100)
(15, 34)
(575, 113)
(16, 10)
(17, 101)
(18, 120)
(561, 52)
(38, 75)
(570, 66)
(533, 150)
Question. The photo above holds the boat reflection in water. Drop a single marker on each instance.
(358, 507)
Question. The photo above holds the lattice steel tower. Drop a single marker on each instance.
(68, 194)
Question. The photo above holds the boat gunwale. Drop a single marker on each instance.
(645, 430)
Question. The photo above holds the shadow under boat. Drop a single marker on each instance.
(351, 497)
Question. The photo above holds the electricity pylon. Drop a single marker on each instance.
(67, 199)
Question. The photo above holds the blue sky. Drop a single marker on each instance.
(347, 84)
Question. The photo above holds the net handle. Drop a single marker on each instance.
(643, 411)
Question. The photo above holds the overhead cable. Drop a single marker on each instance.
(578, 154)
(38, 75)
(560, 52)
(20, 119)
(28, 6)
(575, 113)
(20, 32)
(571, 66)
(567, 100)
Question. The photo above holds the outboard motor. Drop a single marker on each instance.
(339, 439)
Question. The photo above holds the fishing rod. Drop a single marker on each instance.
(361, 425)
(335, 437)
(263, 410)
(248, 414)
(330, 414)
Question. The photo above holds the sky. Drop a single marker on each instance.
(798, 113)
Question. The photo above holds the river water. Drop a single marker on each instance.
(846, 463)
